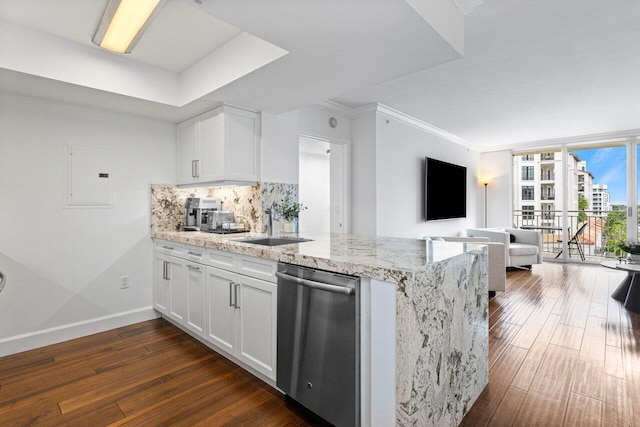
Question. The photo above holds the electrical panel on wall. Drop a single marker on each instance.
(89, 180)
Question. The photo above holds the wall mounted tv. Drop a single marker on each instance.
(445, 190)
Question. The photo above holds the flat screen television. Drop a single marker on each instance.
(445, 190)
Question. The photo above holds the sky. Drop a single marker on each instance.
(608, 166)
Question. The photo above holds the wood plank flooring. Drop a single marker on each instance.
(149, 373)
(562, 353)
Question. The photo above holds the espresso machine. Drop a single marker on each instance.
(199, 213)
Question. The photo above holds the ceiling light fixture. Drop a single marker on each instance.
(123, 22)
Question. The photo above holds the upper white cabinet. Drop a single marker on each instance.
(221, 146)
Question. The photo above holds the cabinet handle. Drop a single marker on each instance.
(193, 267)
(193, 168)
(197, 168)
(237, 285)
(168, 247)
(168, 270)
(164, 270)
(195, 253)
(231, 294)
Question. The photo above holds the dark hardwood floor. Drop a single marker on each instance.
(150, 373)
(561, 353)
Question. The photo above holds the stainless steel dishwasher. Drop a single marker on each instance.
(318, 342)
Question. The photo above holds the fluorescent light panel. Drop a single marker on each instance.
(123, 22)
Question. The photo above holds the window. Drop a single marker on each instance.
(528, 212)
(547, 156)
(527, 192)
(527, 173)
(527, 157)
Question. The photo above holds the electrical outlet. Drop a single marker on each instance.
(124, 282)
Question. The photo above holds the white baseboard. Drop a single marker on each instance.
(31, 340)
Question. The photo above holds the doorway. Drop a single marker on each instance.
(323, 180)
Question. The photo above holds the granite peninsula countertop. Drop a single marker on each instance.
(384, 258)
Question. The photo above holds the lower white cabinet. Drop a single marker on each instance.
(222, 315)
(169, 287)
(242, 318)
(232, 306)
(257, 312)
(196, 292)
(160, 284)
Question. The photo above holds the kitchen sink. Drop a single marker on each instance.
(273, 241)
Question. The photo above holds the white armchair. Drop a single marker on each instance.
(524, 251)
(496, 269)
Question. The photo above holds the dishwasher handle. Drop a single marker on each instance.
(316, 285)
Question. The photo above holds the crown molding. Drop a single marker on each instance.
(394, 114)
(334, 107)
(424, 126)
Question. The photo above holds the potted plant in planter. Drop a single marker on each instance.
(289, 212)
(632, 249)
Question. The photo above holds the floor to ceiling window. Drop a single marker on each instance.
(577, 198)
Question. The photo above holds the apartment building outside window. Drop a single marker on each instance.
(528, 212)
(552, 182)
(527, 173)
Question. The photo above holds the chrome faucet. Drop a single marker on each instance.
(269, 222)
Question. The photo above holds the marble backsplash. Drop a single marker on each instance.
(247, 203)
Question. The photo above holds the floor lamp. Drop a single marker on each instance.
(486, 181)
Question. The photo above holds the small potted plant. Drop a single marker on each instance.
(289, 212)
(632, 249)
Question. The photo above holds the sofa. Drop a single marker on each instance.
(496, 269)
(523, 248)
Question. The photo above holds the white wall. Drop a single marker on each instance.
(401, 152)
(363, 175)
(314, 121)
(279, 145)
(388, 177)
(63, 266)
(497, 165)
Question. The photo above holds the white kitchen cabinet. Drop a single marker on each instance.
(196, 297)
(228, 299)
(169, 288)
(221, 146)
(188, 153)
(221, 311)
(242, 318)
(160, 283)
(257, 327)
(177, 289)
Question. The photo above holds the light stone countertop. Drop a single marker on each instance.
(384, 258)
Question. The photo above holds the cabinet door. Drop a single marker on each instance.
(177, 290)
(212, 149)
(160, 283)
(221, 310)
(241, 145)
(188, 153)
(196, 297)
(257, 324)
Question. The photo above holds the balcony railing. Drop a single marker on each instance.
(544, 176)
(598, 239)
(548, 197)
(547, 156)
